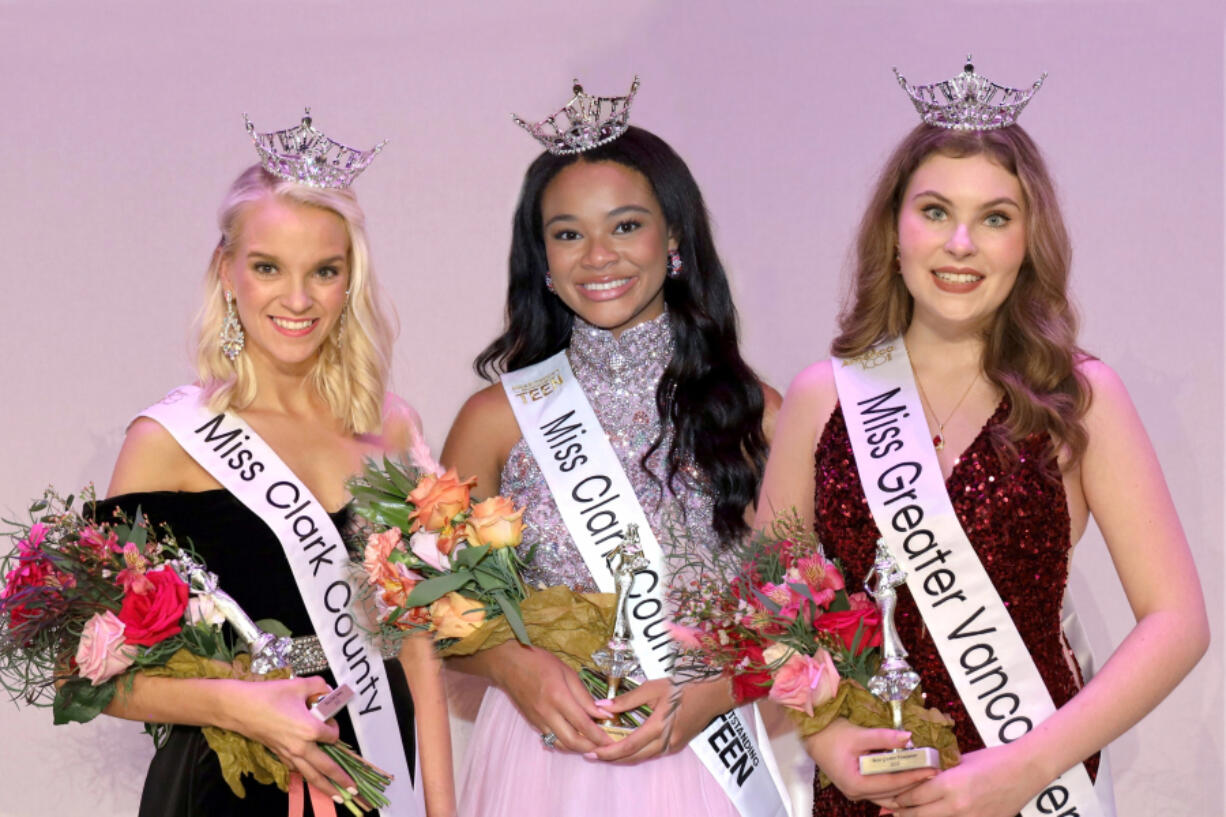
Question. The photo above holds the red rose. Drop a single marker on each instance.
(844, 623)
(156, 614)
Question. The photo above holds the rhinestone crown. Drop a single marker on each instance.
(583, 123)
(969, 101)
(302, 154)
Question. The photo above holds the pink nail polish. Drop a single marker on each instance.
(590, 755)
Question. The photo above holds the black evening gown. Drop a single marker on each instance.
(184, 779)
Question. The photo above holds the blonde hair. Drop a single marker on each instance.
(1031, 350)
(351, 376)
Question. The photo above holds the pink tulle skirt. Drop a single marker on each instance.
(510, 773)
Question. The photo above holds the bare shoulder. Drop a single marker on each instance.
(1109, 399)
(152, 460)
(812, 393)
(488, 410)
(482, 436)
(1101, 377)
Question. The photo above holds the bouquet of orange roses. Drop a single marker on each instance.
(438, 562)
(774, 614)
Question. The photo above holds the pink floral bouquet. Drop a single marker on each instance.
(774, 614)
(86, 604)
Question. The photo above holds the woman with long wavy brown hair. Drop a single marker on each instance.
(963, 257)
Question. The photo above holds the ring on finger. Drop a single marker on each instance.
(549, 739)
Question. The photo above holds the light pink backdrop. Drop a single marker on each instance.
(122, 128)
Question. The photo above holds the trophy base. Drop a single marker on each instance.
(900, 760)
(616, 732)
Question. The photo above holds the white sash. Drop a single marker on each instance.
(596, 502)
(248, 468)
(987, 660)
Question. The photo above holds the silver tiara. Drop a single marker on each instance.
(302, 154)
(583, 123)
(969, 101)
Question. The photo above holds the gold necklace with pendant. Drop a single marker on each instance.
(938, 440)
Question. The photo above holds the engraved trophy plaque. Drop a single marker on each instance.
(616, 660)
(895, 680)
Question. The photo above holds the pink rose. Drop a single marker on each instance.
(102, 653)
(425, 546)
(156, 614)
(804, 682)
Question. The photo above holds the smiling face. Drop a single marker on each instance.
(607, 243)
(961, 239)
(288, 268)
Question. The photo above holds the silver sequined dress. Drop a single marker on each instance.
(508, 772)
(619, 377)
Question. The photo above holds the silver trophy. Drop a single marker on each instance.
(268, 652)
(616, 660)
(895, 680)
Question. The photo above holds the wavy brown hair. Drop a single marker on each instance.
(1031, 349)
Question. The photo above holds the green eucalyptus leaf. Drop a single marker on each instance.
(433, 589)
(513, 617)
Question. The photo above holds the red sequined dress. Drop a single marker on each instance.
(1016, 518)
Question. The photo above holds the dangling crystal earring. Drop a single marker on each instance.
(675, 267)
(548, 281)
(231, 335)
(340, 325)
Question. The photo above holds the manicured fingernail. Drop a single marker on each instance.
(590, 755)
(336, 798)
(352, 790)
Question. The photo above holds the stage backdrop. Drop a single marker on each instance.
(123, 128)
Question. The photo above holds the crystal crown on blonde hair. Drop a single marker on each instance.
(583, 123)
(969, 101)
(305, 155)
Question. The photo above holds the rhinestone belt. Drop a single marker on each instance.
(306, 654)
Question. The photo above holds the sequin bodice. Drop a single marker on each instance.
(1018, 521)
(619, 377)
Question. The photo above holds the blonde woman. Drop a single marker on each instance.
(293, 356)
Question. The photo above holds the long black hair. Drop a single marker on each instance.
(709, 395)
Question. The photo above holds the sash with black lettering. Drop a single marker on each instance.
(596, 502)
(986, 658)
(247, 467)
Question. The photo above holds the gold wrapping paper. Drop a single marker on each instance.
(928, 727)
(570, 625)
(238, 755)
